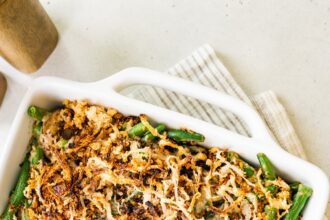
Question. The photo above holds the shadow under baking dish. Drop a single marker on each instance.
(3, 87)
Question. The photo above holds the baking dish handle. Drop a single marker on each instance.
(134, 76)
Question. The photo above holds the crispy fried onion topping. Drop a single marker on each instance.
(99, 172)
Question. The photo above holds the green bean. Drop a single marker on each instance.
(25, 216)
(148, 136)
(63, 142)
(249, 171)
(299, 201)
(183, 136)
(232, 155)
(137, 130)
(36, 112)
(266, 166)
(8, 214)
(34, 142)
(272, 189)
(271, 213)
(26, 203)
(39, 153)
(294, 187)
(17, 196)
(123, 127)
(37, 129)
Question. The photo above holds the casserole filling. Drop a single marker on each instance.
(92, 162)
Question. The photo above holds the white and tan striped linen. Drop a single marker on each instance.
(204, 67)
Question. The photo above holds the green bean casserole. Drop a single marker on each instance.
(87, 161)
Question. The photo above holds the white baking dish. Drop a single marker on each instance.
(49, 91)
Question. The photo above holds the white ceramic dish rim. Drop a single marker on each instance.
(48, 91)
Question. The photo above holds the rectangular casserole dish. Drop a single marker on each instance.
(48, 92)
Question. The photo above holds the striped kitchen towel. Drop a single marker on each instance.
(204, 67)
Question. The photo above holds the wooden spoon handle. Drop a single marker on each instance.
(27, 35)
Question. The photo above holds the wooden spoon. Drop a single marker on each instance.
(27, 35)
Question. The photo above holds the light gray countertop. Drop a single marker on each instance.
(279, 45)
